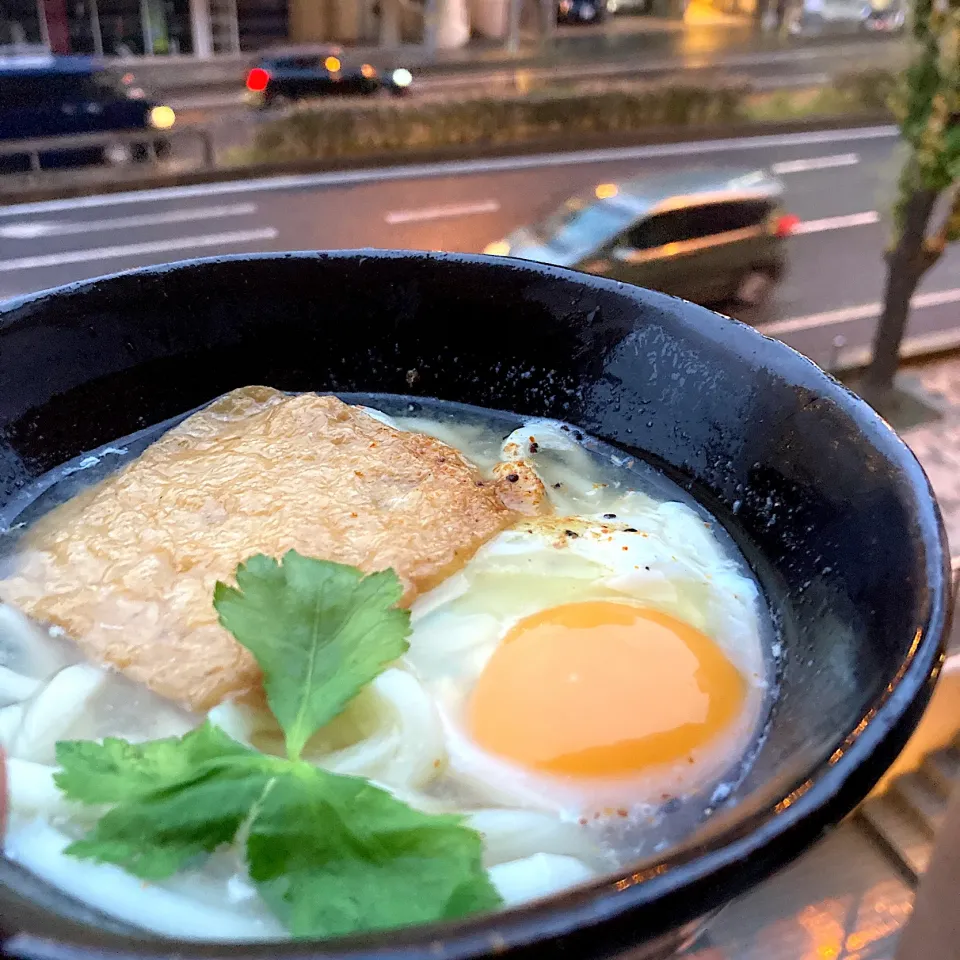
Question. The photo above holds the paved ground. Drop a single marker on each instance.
(937, 445)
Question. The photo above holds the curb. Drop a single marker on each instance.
(913, 350)
(560, 144)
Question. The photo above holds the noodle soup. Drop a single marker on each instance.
(583, 675)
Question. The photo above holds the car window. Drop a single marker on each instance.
(693, 223)
(659, 230)
(24, 91)
(104, 84)
(714, 218)
(43, 89)
(579, 224)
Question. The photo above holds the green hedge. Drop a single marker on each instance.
(327, 130)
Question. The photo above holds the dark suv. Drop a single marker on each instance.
(710, 236)
(279, 80)
(51, 96)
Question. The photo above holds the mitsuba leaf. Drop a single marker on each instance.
(159, 833)
(115, 770)
(330, 854)
(333, 854)
(320, 631)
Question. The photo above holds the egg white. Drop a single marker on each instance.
(659, 554)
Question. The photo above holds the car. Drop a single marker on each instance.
(279, 80)
(711, 236)
(629, 6)
(50, 95)
(581, 11)
(890, 19)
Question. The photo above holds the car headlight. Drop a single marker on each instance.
(402, 77)
(499, 248)
(161, 118)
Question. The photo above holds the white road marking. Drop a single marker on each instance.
(816, 163)
(442, 213)
(864, 311)
(455, 168)
(837, 223)
(138, 249)
(33, 230)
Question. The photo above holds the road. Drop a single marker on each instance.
(697, 62)
(836, 183)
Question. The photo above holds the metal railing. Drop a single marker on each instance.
(34, 148)
(955, 580)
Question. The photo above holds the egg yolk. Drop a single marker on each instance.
(603, 689)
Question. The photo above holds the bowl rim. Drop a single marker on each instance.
(815, 804)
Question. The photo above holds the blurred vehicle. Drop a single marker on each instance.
(709, 236)
(581, 11)
(275, 81)
(48, 95)
(629, 6)
(811, 17)
(891, 19)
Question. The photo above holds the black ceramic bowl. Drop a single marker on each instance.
(831, 509)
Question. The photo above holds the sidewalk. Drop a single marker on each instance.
(937, 445)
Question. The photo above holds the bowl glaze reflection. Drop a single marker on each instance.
(828, 505)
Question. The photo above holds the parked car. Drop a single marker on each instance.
(891, 19)
(709, 236)
(581, 11)
(629, 6)
(275, 81)
(48, 95)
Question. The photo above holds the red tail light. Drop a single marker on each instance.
(257, 80)
(785, 224)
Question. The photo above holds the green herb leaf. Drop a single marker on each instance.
(330, 854)
(115, 770)
(334, 854)
(320, 631)
(158, 834)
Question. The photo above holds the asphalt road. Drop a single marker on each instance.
(836, 182)
(697, 61)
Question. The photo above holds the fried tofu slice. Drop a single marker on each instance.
(128, 567)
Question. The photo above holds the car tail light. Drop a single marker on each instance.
(785, 224)
(257, 80)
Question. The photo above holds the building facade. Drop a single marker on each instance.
(202, 27)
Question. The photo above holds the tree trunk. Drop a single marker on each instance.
(906, 264)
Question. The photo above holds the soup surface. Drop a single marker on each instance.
(583, 674)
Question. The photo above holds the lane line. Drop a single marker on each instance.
(35, 230)
(816, 163)
(137, 249)
(837, 223)
(864, 311)
(441, 213)
(456, 168)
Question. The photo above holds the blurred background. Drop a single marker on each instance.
(773, 159)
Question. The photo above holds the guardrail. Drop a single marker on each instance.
(34, 148)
